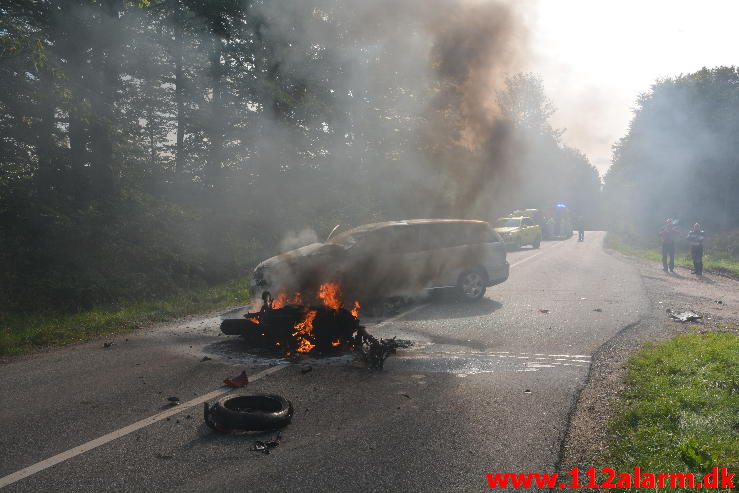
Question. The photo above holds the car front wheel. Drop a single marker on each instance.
(471, 285)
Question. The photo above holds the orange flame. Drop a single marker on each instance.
(355, 310)
(330, 294)
(305, 328)
(304, 345)
(336, 343)
(253, 320)
(282, 300)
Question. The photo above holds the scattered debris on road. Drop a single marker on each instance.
(266, 447)
(174, 401)
(543, 310)
(597, 309)
(686, 316)
(108, 344)
(527, 391)
(239, 381)
(306, 369)
(205, 358)
(374, 352)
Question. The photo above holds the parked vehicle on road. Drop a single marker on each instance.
(518, 231)
(392, 259)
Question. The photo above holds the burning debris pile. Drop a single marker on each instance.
(290, 326)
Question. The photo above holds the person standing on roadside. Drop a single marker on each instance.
(580, 227)
(695, 238)
(667, 234)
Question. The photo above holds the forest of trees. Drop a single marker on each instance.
(680, 157)
(152, 146)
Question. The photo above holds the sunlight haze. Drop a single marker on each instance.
(597, 56)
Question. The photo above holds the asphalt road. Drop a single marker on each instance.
(488, 387)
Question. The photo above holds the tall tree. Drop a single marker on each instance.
(679, 157)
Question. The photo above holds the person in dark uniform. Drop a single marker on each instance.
(695, 238)
(580, 227)
(667, 234)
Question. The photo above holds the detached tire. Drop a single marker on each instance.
(471, 285)
(259, 412)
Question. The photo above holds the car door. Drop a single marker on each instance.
(526, 230)
(384, 262)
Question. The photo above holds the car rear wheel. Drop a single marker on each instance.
(537, 242)
(471, 285)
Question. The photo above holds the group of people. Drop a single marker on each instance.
(668, 234)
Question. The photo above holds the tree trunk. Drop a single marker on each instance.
(215, 154)
(101, 127)
(101, 132)
(179, 97)
(77, 128)
(45, 179)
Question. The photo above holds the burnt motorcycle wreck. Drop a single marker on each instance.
(290, 327)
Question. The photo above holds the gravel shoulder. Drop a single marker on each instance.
(714, 297)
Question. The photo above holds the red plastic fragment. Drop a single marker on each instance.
(239, 381)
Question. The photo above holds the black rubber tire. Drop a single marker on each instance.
(471, 285)
(519, 243)
(257, 412)
(537, 242)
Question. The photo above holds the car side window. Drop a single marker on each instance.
(447, 235)
(388, 240)
(404, 239)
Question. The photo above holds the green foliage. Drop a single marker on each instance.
(546, 171)
(21, 333)
(680, 407)
(679, 158)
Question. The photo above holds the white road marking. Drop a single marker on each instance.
(532, 256)
(524, 260)
(396, 317)
(81, 449)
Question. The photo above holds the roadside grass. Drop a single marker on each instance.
(23, 333)
(680, 408)
(719, 262)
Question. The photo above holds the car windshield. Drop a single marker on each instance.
(508, 223)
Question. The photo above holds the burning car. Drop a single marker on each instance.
(390, 259)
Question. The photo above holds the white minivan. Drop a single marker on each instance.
(392, 259)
